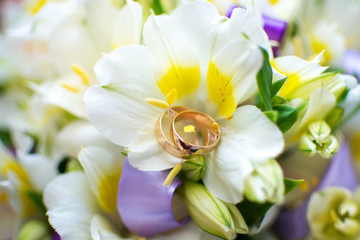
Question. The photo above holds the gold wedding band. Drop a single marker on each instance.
(171, 140)
(204, 123)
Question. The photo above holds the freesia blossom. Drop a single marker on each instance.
(193, 59)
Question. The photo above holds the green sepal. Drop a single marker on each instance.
(291, 184)
(37, 199)
(272, 115)
(156, 6)
(264, 81)
(275, 87)
(276, 100)
(253, 213)
(335, 116)
(287, 116)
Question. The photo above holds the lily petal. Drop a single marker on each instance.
(103, 171)
(251, 137)
(71, 213)
(145, 153)
(118, 113)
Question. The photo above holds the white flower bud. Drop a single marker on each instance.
(266, 183)
(33, 230)
(212, 214)
(333, 213)
(194, 167)
(319, 140)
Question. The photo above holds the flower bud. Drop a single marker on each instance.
(319, 140)
(33, 230)
(212, 214)
(320, 131)
(194, 167)
(266, 183)
(333, 213)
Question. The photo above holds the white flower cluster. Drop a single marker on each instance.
(179, 119)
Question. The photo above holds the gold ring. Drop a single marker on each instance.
(204, 124)
(163, 136)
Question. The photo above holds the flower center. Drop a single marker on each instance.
(183, 132)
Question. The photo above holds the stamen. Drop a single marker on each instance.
(4, 198)
(157, 103)
(333, 216)
(82, 74)
(304, 186)
(189, 129)
(230, 117)
(70, 88)
(215, 127)
(172, 174)
(314, 181)
(171, 97)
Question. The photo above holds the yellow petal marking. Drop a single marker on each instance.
(183, 80)
(107, 191)
(172, 174)
(318, 46)
(171, 97)
(82, 74)
(70, 88)
(189, 129)
(157, 103)
(354, 145)
(291, 84)
(15, 168)
(33, 6)
(220, 90)
(273, 2)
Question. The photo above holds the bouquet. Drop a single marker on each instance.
(179, 120)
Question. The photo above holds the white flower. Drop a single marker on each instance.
(204, 60)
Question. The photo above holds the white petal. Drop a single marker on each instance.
(81, 133)
(250, 137)
(103, 170)
(97, 15)
(304, 69)
(231, 77)
(71, 206)
(41, 169)
(245, 22)
(101, 229)
(118, 114)
(145, 153)
(128, 25)
(76, 48)
(129, 67)
(195, 19)
(174, 60)
(321, 102)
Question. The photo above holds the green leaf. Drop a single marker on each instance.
(37, 199)
(264, 81)
(275, 87)
(253, 213)
(156, 6)
(291, 184)
(272, 115)
(287, 116)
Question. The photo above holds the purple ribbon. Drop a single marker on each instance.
(144, 203)
(292, 224)
(351, 62)
(274, 28)
(56, 236)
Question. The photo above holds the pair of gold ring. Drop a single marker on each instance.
(169, 137)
